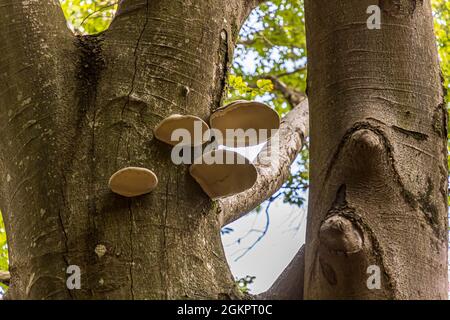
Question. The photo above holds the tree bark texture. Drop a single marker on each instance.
(378, 153)
(76, 109)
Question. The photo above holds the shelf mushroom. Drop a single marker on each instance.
(133, 181)
(245, 115)
(224, 173)
(195, 126)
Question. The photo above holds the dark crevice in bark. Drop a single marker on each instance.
(419, 136)
(92, 96)
(90, 66)
(223, 65)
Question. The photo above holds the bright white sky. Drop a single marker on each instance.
(272, 254)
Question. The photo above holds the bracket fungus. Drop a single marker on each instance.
(196, 130)
(252, 123)
(224, 173)
(133, 181)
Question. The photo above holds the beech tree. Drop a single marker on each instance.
(379, 159)
(75, 109)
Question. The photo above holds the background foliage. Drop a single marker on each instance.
(269, 66)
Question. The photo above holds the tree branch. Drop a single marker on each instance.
(289, 73)
(293, 96)
(99, 10)
(250, 42)
(273, 165)
(5, 277)
(289, 285)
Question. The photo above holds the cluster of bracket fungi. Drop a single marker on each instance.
(217, 180)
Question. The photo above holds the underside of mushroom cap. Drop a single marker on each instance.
(196, 129)
(253, 123)
(230, 174)
(133, 181)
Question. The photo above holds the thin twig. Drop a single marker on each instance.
(266, 227)
(97, 11)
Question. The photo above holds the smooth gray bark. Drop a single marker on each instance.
(378, 152)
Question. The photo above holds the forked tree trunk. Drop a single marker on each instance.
(75, 110)
(378, 153)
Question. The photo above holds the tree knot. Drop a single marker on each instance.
(341, 235)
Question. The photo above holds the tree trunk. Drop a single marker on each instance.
(76, 109)
(73, 110)
(378, 153)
